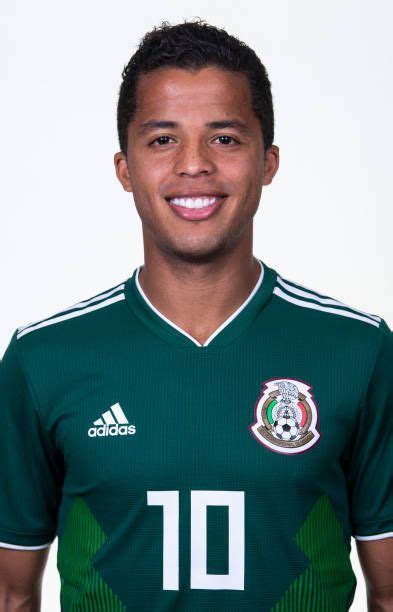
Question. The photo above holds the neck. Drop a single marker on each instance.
(197, 297)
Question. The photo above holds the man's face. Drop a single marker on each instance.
(195, 160)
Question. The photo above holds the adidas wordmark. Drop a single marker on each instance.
(113, 422)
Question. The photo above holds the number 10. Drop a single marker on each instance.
(199, 578)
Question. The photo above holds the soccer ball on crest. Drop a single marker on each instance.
(286, 428)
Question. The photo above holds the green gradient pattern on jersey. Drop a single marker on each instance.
(82, 588)
(328, 582)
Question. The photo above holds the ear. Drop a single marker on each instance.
(271, 163)
(122, 173)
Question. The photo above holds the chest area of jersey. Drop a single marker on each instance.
(201, 471)
(168, 421)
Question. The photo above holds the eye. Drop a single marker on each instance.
(161, 140)
(226, 140)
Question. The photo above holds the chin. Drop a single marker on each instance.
(199, 254)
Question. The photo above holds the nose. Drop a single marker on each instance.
(193, 159)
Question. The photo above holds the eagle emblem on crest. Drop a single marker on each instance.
(286, 416)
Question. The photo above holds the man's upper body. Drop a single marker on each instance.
(206, 434)
(223, 475)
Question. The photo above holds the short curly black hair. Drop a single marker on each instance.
(194, 45)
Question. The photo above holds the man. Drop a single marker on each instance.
(206, 435)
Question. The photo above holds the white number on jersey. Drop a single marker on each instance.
(199, 578)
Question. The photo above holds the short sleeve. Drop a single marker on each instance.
(370, 469)
(29, 480)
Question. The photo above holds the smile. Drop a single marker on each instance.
(195, 202)
(197, 207)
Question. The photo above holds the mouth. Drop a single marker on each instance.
(195, 207)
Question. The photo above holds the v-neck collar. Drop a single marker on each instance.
(232, 327)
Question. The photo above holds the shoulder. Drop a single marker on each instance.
(72, 317)
(318, 310)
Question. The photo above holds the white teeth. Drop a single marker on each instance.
(200, 202)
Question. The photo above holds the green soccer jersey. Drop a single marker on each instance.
(228, 475)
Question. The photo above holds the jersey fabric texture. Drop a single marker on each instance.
(180, 476)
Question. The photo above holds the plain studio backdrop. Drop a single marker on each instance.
(69, 231)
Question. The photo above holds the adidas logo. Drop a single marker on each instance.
(112, 423)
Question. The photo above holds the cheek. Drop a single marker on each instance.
(248, 184)
(147, 180)
(246, 171)
(248, 187)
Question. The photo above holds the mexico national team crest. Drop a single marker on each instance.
(286, 416)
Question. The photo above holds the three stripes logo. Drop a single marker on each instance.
(112, 423)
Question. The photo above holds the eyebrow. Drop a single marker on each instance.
(148, 126)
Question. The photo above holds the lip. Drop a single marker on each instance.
(196, 214)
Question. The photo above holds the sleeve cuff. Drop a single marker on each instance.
(25, 541)
(377, 536)
(18, 547)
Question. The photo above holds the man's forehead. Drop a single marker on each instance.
(212, 91)
(208, 87)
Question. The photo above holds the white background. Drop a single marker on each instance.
(68, 230)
